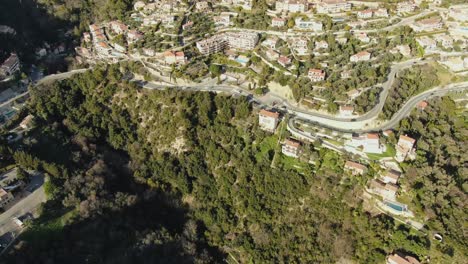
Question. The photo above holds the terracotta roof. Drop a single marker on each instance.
(269, 114)
(372, 136)
(393, 174)
(354, 165)
(407, 139)
(362, 53)
(399, 260)
(377, 184)
(316, 72)
(278, 19)
(346, 108)
(422, 104)
(391, 187)
(284, 59)
(179, 54)
(292, 143)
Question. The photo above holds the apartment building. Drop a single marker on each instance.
(293, 6)
(316, 75)
(278, 22)
(232, 40)
(268, 120)
(291, 148)
(332, 6)
(242, 40)
(10, 65)
(346, 110)
(299, 23)
(404, 148)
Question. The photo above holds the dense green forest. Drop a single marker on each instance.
(139, 176)
(438, 176)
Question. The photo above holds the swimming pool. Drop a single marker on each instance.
(396, 206)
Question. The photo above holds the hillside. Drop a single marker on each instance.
(141, 176)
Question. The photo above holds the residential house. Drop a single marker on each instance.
(361, 56)
(187, 25)
(268, 120)
(346, 74)
(346, 110)
(445, 40)
(368, 143)
(222, 20)
(118, 27)
(291, 148)
(365, 13)
(139, 5)
(133, 36)
(201, 5)
(5, 197)
(284, 61)
(119, 48)
(174, 57)
(316, 75)
(406, 7)
(355, 168)
(386, 190)
(381, 12)
(27, 122)
(299, 45)
(428, 24)
(427, 43)
(278, 22)
(307, 24)
(149, 52)
(404, 50)
(342, 40)
(293, 6)
(396, 259)
(103, 48)
(362, 36)
(87, 37)
(168, 20)
(391, 176)
(404, 148)
(10, 66)
(272, 55)
(422, 105)
(270, 42)
(332, 6)
(455, 63)
(353, 94)
(459, 13)
(321, 44)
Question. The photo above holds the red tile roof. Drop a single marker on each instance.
(354, 165)
(269, 114)
(292, 143)
(407, 139)
(372, 136)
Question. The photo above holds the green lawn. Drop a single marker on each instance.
(290, 163)
(389, 153)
